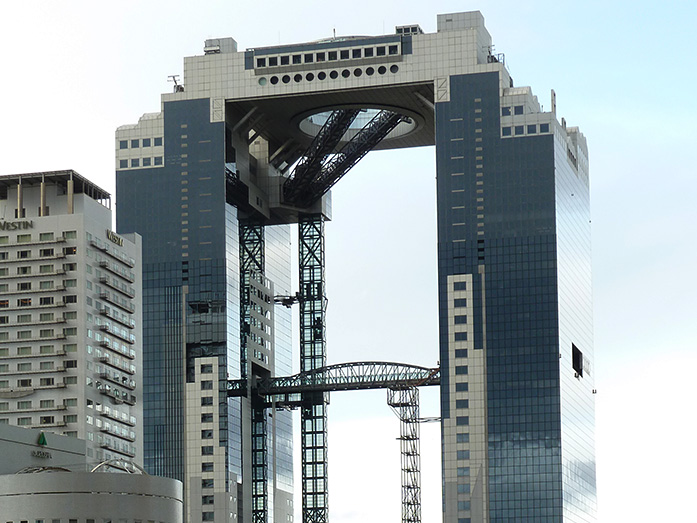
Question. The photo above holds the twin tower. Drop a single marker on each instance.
(252, 141)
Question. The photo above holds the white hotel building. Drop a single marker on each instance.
(70, 329)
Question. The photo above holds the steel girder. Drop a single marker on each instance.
(322, 176)
(251, 266)
(323, 144)
(313, 355)
(251, 261)
(405, 403)
(359, 375)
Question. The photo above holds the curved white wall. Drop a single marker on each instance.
(78, 497)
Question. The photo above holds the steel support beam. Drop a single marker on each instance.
(251, 261)
(260, 465)
(350, 154)
(405, 403)
(324, 143)
(251, 265)
(313, 305)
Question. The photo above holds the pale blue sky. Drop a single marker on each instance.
(624, 72)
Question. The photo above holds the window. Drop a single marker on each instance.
(135, 144)
(207, 500)
(46, 300)
(207, 400)
(24, 270)
(46, 382)
(5, 320)
(368, 52)
(460, 353)
(25, 382)
(4, 240)
(207, 467)
(70, 418)
(380, 51)
(23, 351)
(46, 404)
(462, 420)
(505, 111)
(23, 335)
(24, 405)
(344, 55)
(46, 349)
(45, 236)
(206, 385)
(356, 53)
(207, 369)
(147, 162)
(207, 418)
(46, 333)
(577, 360)
(463, 454)
(460, 336)
(505, 131)
(43, 269)
(207, 483)
(23, 421)
(544, 127)
(463, 438)
(69, 250)
(460, 320)
(70, 235)
(158, 160)
(208, 516)
(44, 316)
(146, 142)
(463, 471)
(519, 129)
(463, 505)
(261, 62)
(123, 144)
(70, 380)
(462, 404)
(23, 238)
(70, 283)
(461, 369)
(70, 299)
(460, 286)
(22, 255)
(532, 129)
(518, 109)
(24, 367)
(207, 434)
(4, 271)
(393, 49)
(46, 420)
(123, 164)
(157, 141)
(460, 302)
(4, 304)
(207, 450)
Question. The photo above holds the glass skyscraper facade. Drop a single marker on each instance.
(204, 183)
(515, 308)
(192, 309)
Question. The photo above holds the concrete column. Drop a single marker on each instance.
(20, 203)
(42, 199)
(70, 197)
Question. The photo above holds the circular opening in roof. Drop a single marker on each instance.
(311, 124)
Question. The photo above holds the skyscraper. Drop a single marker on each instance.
(70, 359)
(253, 140)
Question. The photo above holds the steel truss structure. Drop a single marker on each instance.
(315, 175)
(405, 403)
(313, 355)
(321, 167)
(251, 266)
(400, 380)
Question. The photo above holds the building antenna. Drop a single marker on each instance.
(335, 33)
(178, 88)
